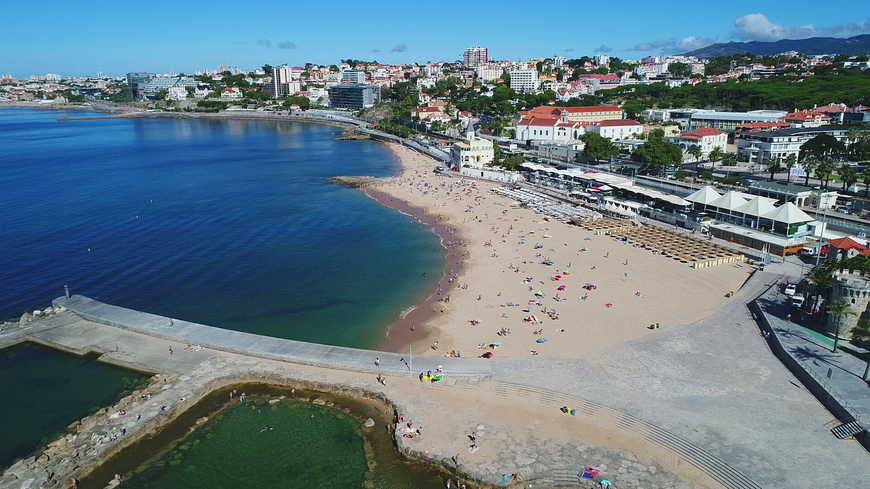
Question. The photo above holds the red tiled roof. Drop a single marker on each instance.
(540, 121)
(596, 108)
(619, 123)
(849, 244)
(701, 132)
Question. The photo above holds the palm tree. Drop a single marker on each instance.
(716, 155)
(696, 152)
(838, 310)
(790, 161)
(820, 278)
(773, 166)
(861, 331)
(825, 170)
(848, 175)
(865, 177)
(810, 164)
(853, 134)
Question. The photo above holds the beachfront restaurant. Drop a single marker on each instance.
(654, 199)
(571, 179)
(775, 244)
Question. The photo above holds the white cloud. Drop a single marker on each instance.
(265, 43)
(286, 45)
(757, 27)
(692, 43)
(603, 49)
(670, 46)
(399, 48)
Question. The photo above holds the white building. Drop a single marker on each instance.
(706, 138)
(601, 59)
(524, 79)
(176, 92)
(353, 76)
(231, 92)
(540, 129)
(473, 151)
(201, 91)
(761, 147)
(617, 129)
(489, 72)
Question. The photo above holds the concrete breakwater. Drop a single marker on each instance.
(267, 347)
(178, 387)
(531, 437)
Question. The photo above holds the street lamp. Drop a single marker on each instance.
(824, 226)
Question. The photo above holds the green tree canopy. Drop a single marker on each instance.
(597, 147)
(657, 152)
(822, 146)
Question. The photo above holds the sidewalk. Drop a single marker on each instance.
(839, 374)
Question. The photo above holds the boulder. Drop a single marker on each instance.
(25, 318)
(274, 401)
(48, 310)
(369, 423)
(37, 313)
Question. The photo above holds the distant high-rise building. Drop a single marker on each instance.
(354, 95)
(136, 83)
(280, 79)
(524, 79)
(353, 76)
(474, 57)
(602, 60)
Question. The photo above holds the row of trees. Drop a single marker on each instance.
(783, 92)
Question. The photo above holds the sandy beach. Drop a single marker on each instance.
(499, 259)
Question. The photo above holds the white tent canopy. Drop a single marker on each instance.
(729, 201)
(788, 214)
(756, 207)
(704, 196)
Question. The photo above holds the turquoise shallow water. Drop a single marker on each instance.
(290, 444)
(233, 449)
(227, 223)
(47, 390)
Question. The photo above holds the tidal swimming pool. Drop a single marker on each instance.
(315, 441)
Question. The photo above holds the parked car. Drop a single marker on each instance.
(790, 289)
(797, 301)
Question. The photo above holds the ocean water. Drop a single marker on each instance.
(48, 390)
(226, 223)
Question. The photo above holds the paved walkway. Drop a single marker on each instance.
(803, 339)
(268, 347)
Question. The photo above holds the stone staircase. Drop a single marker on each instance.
(847, 429)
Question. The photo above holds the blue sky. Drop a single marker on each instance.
(75, 38)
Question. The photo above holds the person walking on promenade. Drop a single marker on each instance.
(377, 362)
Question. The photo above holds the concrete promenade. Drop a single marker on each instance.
(802, 338)
(268, 347)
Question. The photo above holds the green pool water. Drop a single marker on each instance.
(47, 390)
(257, 444)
